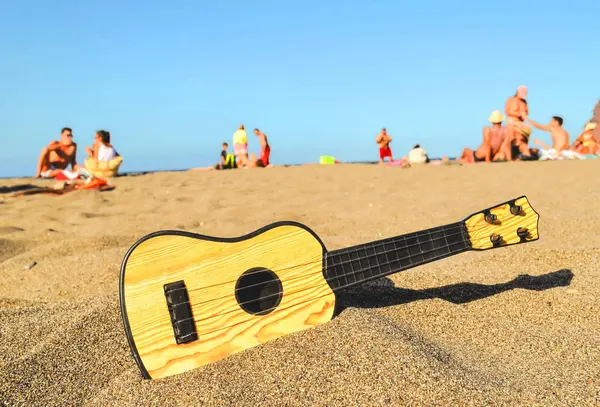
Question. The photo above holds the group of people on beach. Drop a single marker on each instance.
(59, 154)
(510, 142)
(240, 158)
(417, 155)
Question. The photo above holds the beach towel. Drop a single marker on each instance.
(66, 175)
(552, 154)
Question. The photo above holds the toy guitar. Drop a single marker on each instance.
(188, 300)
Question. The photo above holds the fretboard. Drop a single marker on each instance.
(358, 264)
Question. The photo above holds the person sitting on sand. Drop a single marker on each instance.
(92, 151)
(494, 142)
(418, 155)
(227, 160)
(560, 140)
(586, 144)
(518, 131)
(240, 145)
(105, 151)
(57, 156)
(383, 139)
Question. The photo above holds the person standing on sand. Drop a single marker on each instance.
(560, 139)
(383, 139)
(265, 149)
(494, 142)
(57, 156)
(240, 145)
(518, 131)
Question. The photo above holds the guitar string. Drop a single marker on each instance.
(337, 253)
(274, 309)
(376, 244)
(400, 259)
(363, 270)
(450, 253)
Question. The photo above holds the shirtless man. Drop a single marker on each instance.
(518, 131)
(560, 139)
(494, 145)
(265, 151)
(57, 156)
(384, 140)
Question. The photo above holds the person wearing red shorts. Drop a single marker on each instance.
(265, 150)
(383, 139)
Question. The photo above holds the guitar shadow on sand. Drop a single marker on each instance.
(383, 293)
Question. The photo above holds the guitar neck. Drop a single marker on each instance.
(358, 264)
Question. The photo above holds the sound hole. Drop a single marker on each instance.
(258, 291)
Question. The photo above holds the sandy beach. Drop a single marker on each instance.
(464, 331)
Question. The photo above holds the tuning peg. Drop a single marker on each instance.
(495, 239)
(490, 218)
(523, 233)
(515, 209)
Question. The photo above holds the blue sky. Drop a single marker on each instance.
(171, 82)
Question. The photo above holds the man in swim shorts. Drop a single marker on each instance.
(240, 145)
(383, 139)
(265, 149)
(493, 145)
(57, 156)
(518, 131)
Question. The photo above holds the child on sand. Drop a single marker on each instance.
(227, 160)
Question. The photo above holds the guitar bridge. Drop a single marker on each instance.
(180, 310)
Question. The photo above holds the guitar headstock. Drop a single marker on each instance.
(506, 224)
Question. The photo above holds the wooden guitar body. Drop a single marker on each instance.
(189, 300)
(241, 292)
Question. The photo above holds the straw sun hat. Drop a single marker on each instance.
(496, 117)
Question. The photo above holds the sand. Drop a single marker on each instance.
(465, 331)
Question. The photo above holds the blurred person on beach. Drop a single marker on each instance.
(383, 139)
(92, 151)
(494, 142)
(240, 145)
(586, 143)
(518, 131)
(560, 140)
(102, 150)
(265, 152)
(57, 156)
(227, 161)
(418, 155)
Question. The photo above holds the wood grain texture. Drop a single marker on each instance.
(210, 270)
(506, 225)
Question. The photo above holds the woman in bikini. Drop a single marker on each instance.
(585, 143)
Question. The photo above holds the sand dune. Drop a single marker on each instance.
(467, 330)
